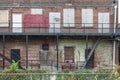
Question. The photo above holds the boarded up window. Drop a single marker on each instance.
(87, 17)
(45, 46)
(103, 21)
(54, 19)
(4, 18)
(69, 54)
(36, 20)
(69, 17)
(36, 11)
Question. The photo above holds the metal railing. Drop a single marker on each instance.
(81, 28)
(51, 65)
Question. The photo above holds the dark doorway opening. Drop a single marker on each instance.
(15, 55)
(90, 63)
(119, 53)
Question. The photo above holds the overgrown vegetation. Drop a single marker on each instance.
(14, 73)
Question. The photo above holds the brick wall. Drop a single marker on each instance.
(78, 13)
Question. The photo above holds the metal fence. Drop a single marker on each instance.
(58, 76)
(77, 28)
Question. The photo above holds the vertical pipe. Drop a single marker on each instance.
(114, 54)
(114, 43)
(57, 38)
(26, 51)
(3, 51)
(115, 14)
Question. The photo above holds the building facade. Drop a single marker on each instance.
(59, 34)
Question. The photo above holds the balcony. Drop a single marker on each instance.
(54, 2)
(52, 28)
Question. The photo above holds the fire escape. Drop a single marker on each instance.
(69, 33)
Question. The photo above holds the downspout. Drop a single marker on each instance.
(115, 14)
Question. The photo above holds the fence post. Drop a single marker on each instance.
(52, 76)
(31, 77)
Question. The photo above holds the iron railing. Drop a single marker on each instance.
(51, 65)
(81, 28)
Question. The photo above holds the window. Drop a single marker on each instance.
(45, 46)
(103, 22)
(87, 17)
(4, 14)
(36, 11)
(68, 17)
(69, 54)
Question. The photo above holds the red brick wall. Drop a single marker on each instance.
(78, 13)
(34, 47)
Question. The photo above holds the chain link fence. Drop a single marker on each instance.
(58, 76)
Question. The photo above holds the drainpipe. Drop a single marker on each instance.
(115, 14)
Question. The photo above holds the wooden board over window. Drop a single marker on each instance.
(87, 17)
(4, 18)
(36, 11)
(104, 22)
(69, 54)
(69, 17)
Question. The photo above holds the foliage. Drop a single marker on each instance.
(117, 68)
(37, 71)
(14, 67)
(101, 74)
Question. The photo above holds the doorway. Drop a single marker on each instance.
(15, 55)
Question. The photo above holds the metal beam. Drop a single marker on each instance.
(3, 51)
(57, 39)
(86, 50)
(91, 52)
(26, 51)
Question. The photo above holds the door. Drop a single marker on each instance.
(54, 22)
(16, 22)
(90, 63)
(15, 55)
(69, 54)
(103, 22)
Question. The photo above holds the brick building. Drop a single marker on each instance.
(59, 34)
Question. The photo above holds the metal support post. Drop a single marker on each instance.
(57, 38)
(3, 51)
(26, 51)
(86, 50)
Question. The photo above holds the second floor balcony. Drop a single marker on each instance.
(53, 28)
